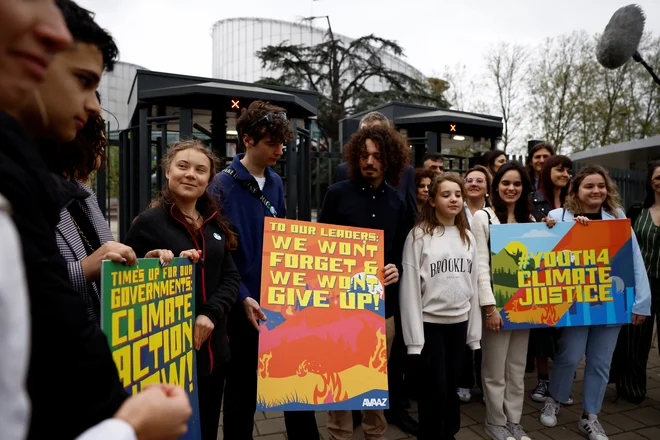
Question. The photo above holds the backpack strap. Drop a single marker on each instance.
(253, 188)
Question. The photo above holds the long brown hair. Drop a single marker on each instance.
(523, 209)
(545, 181)
(428, 221)
(612, 202)
(205, 204)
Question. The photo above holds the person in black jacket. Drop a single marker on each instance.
(70, 357)
(376, 157)
(553, 183)
(186, 220)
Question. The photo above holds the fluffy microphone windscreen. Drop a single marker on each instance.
(621, 37)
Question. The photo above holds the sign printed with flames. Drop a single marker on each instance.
(568, 275)
(323, 344)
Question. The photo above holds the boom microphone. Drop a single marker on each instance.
(621, 38)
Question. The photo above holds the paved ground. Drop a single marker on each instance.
(622, 420)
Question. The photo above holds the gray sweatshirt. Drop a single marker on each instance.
(439, 285)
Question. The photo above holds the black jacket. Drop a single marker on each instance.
(69, 356)
(216, 276)
(356, 203)
(540, 204)
(406, 188)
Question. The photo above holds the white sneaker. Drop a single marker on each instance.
(497, 432)
(517, 431)
(569, 402)
(592, 428)
(549, 413)
(464, 395)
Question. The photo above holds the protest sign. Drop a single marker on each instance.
(568, 275)
(148, 316)
(323, 345)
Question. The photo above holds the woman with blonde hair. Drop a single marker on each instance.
(186, 220)
(592, 196)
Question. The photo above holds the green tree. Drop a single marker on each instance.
(339, 70)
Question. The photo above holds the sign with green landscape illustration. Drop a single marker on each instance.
(568, 275)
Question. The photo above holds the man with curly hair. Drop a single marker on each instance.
(376, 157)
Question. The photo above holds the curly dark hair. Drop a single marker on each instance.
(395, 154)
(83, 28)
(252, 123)
(206, 204)
(523, 209)
(77, 159)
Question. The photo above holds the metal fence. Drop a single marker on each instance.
(306, 185)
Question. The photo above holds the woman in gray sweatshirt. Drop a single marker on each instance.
(439, 304)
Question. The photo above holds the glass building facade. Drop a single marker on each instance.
(115, 88)
(236, 42)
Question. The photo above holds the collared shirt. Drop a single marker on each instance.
(468, 213)
(356, 203)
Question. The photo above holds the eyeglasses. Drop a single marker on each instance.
(475, 180)
(270, 117)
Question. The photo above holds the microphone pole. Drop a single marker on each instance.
(637, 57)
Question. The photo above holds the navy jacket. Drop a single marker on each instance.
(406, 187)
(355, 203)
(246, 214)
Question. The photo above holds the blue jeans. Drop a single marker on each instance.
(598, 342)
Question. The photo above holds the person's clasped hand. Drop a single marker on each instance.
(160, 412)
(203, 328)
(110, 250)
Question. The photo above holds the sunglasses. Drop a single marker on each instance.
(475, 179)
(270, 117)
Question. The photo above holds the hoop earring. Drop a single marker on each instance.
(42, 108)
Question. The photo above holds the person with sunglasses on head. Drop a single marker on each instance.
(249, 190)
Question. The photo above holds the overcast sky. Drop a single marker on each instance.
(175, 36)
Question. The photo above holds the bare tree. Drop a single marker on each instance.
(559, 86)
(507, 70)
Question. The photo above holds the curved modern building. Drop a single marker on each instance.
(237, 40)
(115, 88)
